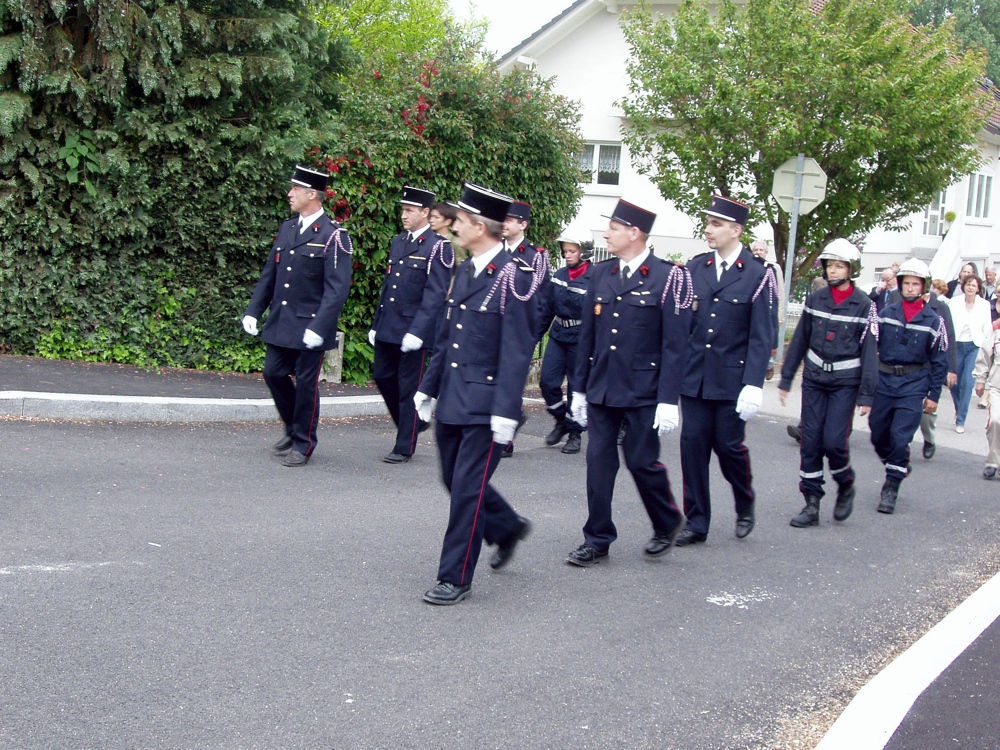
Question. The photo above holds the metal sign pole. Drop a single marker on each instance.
(800, 167)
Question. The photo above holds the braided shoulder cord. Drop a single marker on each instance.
(506, 282)
(680, 281)
(438, 250)
(872, 324)
(339, 244)
(770, 283)
(941, 335)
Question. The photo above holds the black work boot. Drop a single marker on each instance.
(890, 490)
(558, 432)
(572, 442)
(809, 515)
(845, 502)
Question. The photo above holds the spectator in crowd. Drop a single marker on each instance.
(987, 377)
(970, 314)
(883, 290)
(940, 287)
(969, 269)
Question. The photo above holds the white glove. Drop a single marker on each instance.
(666, 419)
(312, 339)
(411, 343)
(423, 403)
(750, 400)
(250, 324)
(578, 408)
(503, 429)
(371, 337)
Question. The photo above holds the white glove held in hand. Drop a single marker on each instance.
(578, 408)
(423, 403)
(250, 324)
(503, 429)
(371, 337)
(411, 343)
(666, 419)
(311, 339)
(750, 400)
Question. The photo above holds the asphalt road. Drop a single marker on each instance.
(172, 586)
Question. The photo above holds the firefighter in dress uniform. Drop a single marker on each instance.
(564, 309)
(515, 224)
(633, 344)
(913, 363)
(413, 292)
(305, 283)
(477, 373)
(730, 344)
(838, 339)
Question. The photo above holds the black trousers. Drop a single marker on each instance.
(398, 375)
(468, 459)
(641, 448)
(708, 425)
(297, 400)
(827, 419)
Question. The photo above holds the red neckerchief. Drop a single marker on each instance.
(842, 292)
(579, 270)
(910, 309)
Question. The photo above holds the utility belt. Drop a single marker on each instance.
(844, 364)
(567, 322)
(900, 369)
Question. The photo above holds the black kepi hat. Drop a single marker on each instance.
(416, 197)
(520, 210)
(309, 178)
(632, 216)
(484, 202)
(728, 209)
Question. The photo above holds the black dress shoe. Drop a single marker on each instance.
(295, 459)
(744, 524)
(447, 593)
(422, 426)
(504, 552)
(688, 537)
(397, 458)
(794, 432)
(282, 445)
(661, 543)
(508, 450)
(929, 449)
(845, 502)
(989, 472)
(584, 556)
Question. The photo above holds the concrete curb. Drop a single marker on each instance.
(160, 409)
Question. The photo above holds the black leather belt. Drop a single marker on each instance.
(900, 369)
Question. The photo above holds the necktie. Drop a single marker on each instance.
(723, 266)
(302, 225)
(626, 273)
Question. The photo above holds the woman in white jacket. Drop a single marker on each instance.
(973, 326)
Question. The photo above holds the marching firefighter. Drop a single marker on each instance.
(564, 309)
(838, 339)
(913, 361)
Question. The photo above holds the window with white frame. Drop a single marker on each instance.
(602, 161)
(980, 189)
(934, 216)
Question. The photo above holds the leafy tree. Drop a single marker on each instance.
(144, 154)
(977, 25)
(436, 122)
(387, 32)
(718, 101)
